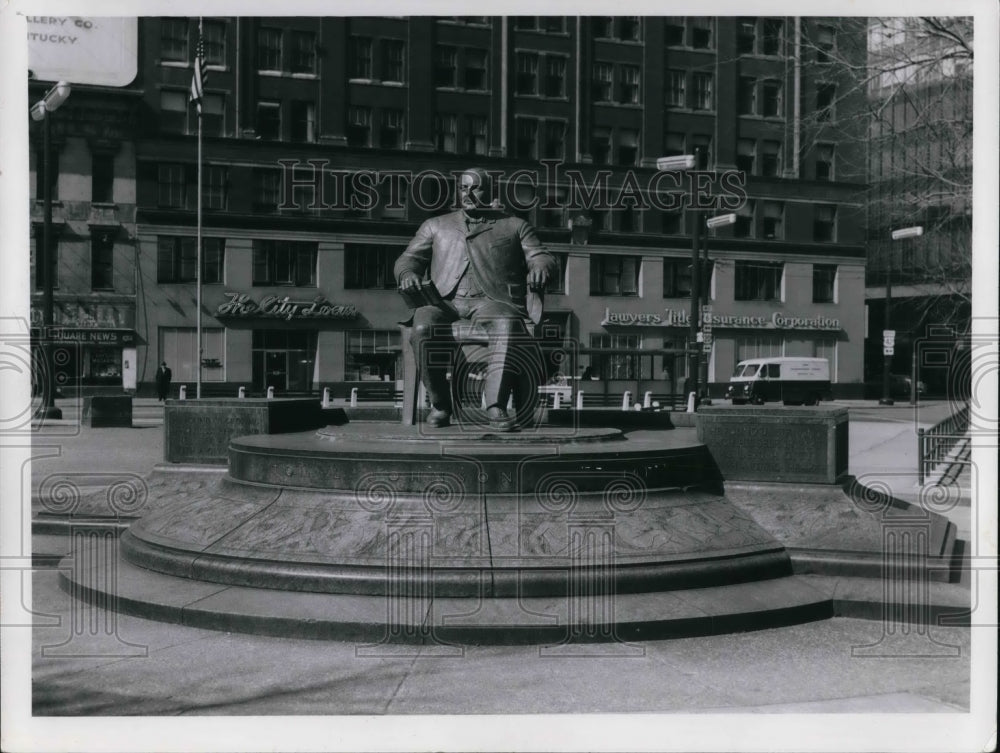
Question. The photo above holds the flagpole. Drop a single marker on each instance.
(198, 275)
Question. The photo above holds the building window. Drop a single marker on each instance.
(824, 223)
(215, 42)
(555, 139)
(624, 366)
(178, 347)
(445, 66)
(173, 111)
(283, 359)
(303, 122)
(771, 104)
(774, 220)
(557, 284)
(629, 28)
(475, 134)
(527, 138)
(392, 60)
(445, 133)
(102, 255)
(555, 76)
(171, 181)
(676, 278)
(600, 146)
(673, 144)
(371, 355)
(102, 179)
(770, 159)
(41, 172)
(673, 222)
(758, 280)
(826, 347)
(603, 82)
(676, 89)
(746, 152)
(174, 39)
(284, 263)
(824, 283)
(370, 266)
(269, 120)
(614, 275)
(269, 49)
(743, 227)
(826, 41)
(746, 96)
(702, 91)
(38, 264)
(303, 52)
(759, 346)
(176, 259)
(602, 27)
(213, 254)
(701, 32)
(673, 27)
(629, 94)
(359, 59)
(359, 126)
(826, 95)
(527, 73)
(213, 115)
(628, 146)
(702, 144)
(553, 24)
(266, 189)
(771, 38)
(475, 70)
(746, 36)
(525, 23)
(824, 162)
(392, 133)
(214, 186)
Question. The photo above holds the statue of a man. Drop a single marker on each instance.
(491, 269)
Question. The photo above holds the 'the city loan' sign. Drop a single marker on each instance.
(83, 50)
(680, 318)
(282, 307)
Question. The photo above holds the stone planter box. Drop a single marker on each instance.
(107, 410)
(199, 431)
(776, 443)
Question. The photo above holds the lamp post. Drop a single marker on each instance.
(40, 112)
(888, 334)
(712, 223)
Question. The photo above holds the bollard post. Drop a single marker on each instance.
(647, 400)
(556, 400)
(326, 397)
(579, 400)
(626, 400)
(270, 392)
(920, 456)
(354, 397)
(691, 402)
(182, 395)
(242, 393)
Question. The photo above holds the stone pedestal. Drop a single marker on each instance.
(776, 443)
(199, 431)
(107, 410)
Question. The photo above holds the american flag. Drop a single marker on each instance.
(200, 74)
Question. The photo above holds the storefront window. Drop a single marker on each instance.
(283, 359)
(620, 365)
(372, 355)
(177, 348)
(759, 346)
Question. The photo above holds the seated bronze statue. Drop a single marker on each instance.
(489, 268)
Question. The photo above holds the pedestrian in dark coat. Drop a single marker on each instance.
(163, 375)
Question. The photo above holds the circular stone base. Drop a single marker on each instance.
(453, 434)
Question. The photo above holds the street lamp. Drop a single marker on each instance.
(888, 334)
(40, 112)
(712, 223)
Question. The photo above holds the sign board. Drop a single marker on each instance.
(117, 338)
(888, 340)
(680, 318)
(241, 305)
(888, 350)
(129, 365)
(83, 50)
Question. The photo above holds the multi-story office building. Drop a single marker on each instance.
(305, 120)
(92, 173)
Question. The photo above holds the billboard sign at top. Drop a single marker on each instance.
(83, 50)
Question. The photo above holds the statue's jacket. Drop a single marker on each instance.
(499, 252)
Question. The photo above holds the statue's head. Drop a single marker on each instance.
(475, 189)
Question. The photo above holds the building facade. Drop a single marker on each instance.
(327, 141)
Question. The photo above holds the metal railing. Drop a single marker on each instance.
(936, 443)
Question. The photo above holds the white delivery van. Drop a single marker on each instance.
(794, 381)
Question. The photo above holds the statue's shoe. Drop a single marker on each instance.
(438, 417)
(499, 420)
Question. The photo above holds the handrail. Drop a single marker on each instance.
(934, 444)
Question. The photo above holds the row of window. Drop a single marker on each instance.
(102, 175)
(102, 267)
(295, 51)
